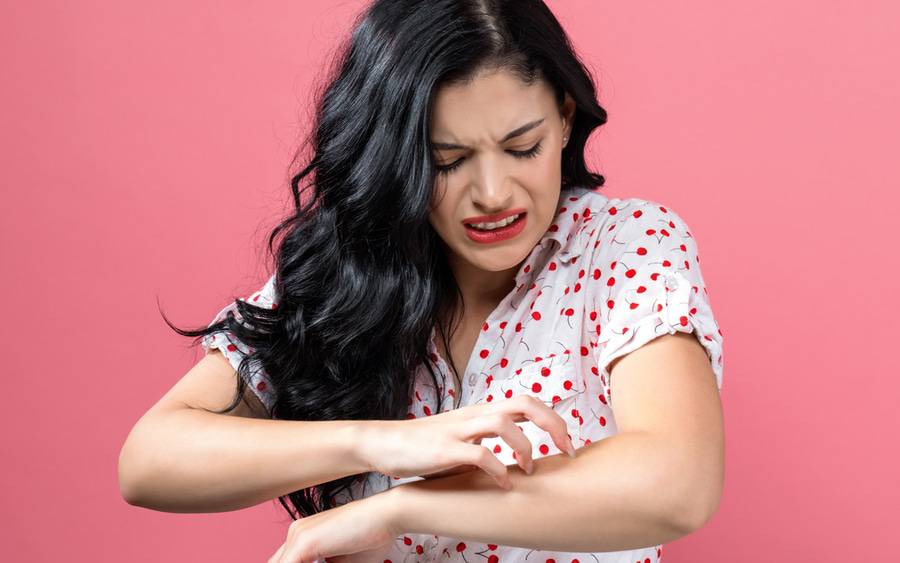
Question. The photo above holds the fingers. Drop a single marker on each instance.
(543, 416)
(501, 424)
(483, 458)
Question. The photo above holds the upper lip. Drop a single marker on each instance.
(497, 217)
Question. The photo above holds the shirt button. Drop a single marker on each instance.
(671, 282)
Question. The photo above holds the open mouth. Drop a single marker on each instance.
(518, 218)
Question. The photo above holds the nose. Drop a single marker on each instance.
(491, 189)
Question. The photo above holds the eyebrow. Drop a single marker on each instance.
(512, 134)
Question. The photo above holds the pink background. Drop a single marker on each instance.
(145, 150)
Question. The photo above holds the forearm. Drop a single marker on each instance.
(190, 460)
(612, 496)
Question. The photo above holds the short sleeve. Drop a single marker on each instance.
(235, 351)
(646, 282)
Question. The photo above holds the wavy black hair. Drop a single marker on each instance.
(361, 276)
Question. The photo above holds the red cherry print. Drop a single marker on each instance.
(484, 327)
(632, 306)
(650, 232)
(613, 210)
(536, 315)
(593, 315)
(261, 386)
(231, 347)
(630, 273)
(536, 387)
(426, 410)
(637, 213)
(419, 549)
(577, 287)
(664, 232)
(553, 228)
(552, 266)
(597, 273)
(580, 274)
(488, 379)
(497, 449)
(503, 325)
(493, 558)
(407, 540)
(503, 362)
(610, 303)
(492, 546)
(683, 247)
(683, 320)
(518, 327)
(663, 209)
(489, 398)
(584, 351)
(641, 251)
(567, 384)
(641, 289)
(611, 281)
(527, 268)
(484, 354)
(545, 371)
(543, 449)
(602, 419)
(570, 312)
(508, 393)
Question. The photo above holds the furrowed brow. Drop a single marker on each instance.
(511, 135)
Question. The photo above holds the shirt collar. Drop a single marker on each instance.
(567, 235)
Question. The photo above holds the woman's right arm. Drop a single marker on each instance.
(180, 458)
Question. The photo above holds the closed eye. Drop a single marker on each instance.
(530, 153)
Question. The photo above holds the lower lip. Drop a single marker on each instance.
(503, 233)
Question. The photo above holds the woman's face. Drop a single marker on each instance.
(498, 146)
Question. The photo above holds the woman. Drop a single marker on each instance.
(454, 272)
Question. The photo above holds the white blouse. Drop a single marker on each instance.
(608, 276)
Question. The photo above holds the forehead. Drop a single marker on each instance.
(487, 107)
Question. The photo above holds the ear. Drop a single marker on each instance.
(567, 111)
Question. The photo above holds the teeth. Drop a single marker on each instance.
(492, 226)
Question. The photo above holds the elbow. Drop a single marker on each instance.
(696, 507)
(130, 481)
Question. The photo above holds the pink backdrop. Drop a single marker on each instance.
(145, 149)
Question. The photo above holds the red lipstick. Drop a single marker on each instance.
(495, 235)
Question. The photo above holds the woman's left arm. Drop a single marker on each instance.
(658, 479)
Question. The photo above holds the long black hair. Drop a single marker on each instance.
(361, 277)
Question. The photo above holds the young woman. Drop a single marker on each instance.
(455, 310)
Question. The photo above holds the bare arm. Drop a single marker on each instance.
(612, 496)
(180, 458)
(658, 479)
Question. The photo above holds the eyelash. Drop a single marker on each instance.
(530, 153)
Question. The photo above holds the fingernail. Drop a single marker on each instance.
(529, 467)
(571, 450)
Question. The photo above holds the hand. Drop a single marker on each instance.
(360, 531)
(450, 442)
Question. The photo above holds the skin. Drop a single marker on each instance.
(658, 479)
(490, 179)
